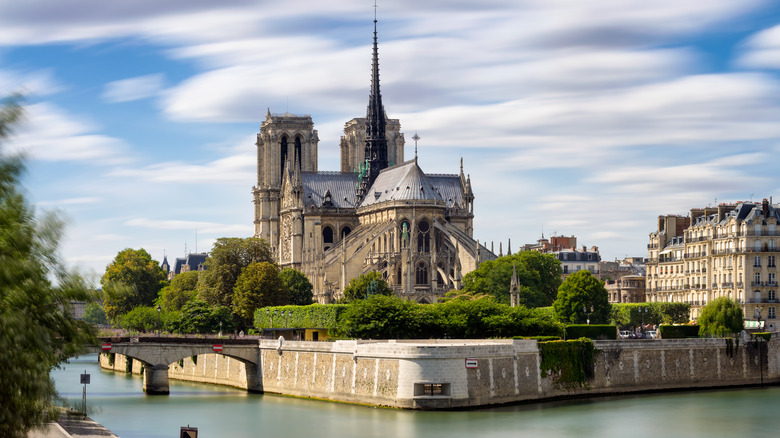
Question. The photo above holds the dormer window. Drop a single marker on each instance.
(326, 200)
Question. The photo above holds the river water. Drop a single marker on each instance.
(117, 401)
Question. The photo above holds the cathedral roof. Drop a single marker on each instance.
(341, 187)
(404, 182)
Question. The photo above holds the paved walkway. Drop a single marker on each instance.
(72, 427)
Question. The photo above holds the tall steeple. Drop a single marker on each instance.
(376, 142)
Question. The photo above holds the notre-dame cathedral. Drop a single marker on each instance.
(379, 213)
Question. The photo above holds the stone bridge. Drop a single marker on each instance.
(157, 353)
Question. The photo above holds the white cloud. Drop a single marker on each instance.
(200, 227)
(228, 170)
(47, 133)
(136, 88)
(72, 201)
(762, 50)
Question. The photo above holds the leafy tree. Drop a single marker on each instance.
(198, 317)
(142, 319)
(228, 257)
(382, 317)
(132, 279)
(365, 285)
(37, 331)
(258, 286)
(538, 275)
(580, 293)
(720, 317)
(183, 288)
(298, 285)
(94, 314)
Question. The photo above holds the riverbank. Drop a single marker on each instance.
(72, 425)
(450, 374)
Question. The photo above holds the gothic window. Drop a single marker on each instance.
(327, 237)
(423, 237)
(399, 276)
(345, 232)
(298, 149)
(422, 274)
(283, 155)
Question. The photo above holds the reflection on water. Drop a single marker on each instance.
(118, 402)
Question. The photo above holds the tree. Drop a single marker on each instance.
(142, 319)
(228, 257)
(298, 285)
(182, 289)
(580, 297)
(382, 317)
(720, 317)
(538, 276)
(94, 314)
(258, 286)
(37, 331)
(198, 317)
(132, 279)
(365, 285)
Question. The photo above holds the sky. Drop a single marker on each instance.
(586, 118)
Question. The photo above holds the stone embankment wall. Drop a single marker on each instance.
(404, 373)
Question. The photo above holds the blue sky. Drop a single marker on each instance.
(586, 118)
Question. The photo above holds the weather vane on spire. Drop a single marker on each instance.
(415, 137)
(375, 6)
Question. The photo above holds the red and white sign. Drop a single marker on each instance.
(472, 362)
(217, 347)
(106, 347)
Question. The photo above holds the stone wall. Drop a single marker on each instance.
(434, 375)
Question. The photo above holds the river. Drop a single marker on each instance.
(117, 401)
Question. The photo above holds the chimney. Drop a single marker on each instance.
(765, 207)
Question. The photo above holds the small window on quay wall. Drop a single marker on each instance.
(431, 389)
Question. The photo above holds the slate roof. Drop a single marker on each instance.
(404, 182)
(341, 187)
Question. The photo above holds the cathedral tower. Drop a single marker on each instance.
(282, 137)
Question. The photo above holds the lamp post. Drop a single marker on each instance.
(220, 329)
(289, 314)
(757, 315)
(642, 312)
(268, 314)
(158, 320)
(587, 313)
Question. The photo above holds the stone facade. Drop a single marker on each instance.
(435, 374)
(730, 251)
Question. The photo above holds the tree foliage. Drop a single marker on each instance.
(94, 314)
(721, 317)
(132, 279)
(145, 319)
(37, 331)
(259, 285)
(198, 317)
(228, 257)
(365, 285)
(630, 315)
(581, 296)
(538, 276)
(183, 288)
(298, 285)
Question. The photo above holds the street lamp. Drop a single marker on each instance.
(757, 314)
(289, 314)
(587, 312)
(158, 320)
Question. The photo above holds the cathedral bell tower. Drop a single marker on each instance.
(282, 138)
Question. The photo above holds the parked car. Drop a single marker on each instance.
(651, 334)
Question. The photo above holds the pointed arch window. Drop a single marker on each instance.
(283, 154)
(298, 150)
(423, 237)
(345, 232)
(421, 274)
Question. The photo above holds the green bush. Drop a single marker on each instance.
(539, 338)
(628, 314)
(311, 316)
(591, 331)
(678, 331)
(765, 335)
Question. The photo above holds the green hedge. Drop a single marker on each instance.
(591, 331)
(539, 338)
(311, 316)
(678, 331)
(569, 364)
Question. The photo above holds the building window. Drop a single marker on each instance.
(757, 261)
(565, 269)
(772, 278)
(345, 232)
(423, 237)
(771, 313)
(757, 277)
(422, 274)
(327, 235)
(770, 261)
(283, 150)
(772, 296)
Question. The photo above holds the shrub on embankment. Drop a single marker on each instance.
(383, 317)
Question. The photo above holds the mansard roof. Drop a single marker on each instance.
(404, 182)
(340, 185)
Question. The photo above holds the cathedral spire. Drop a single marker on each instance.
(376, 142)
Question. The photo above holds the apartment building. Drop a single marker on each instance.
(730, 250)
